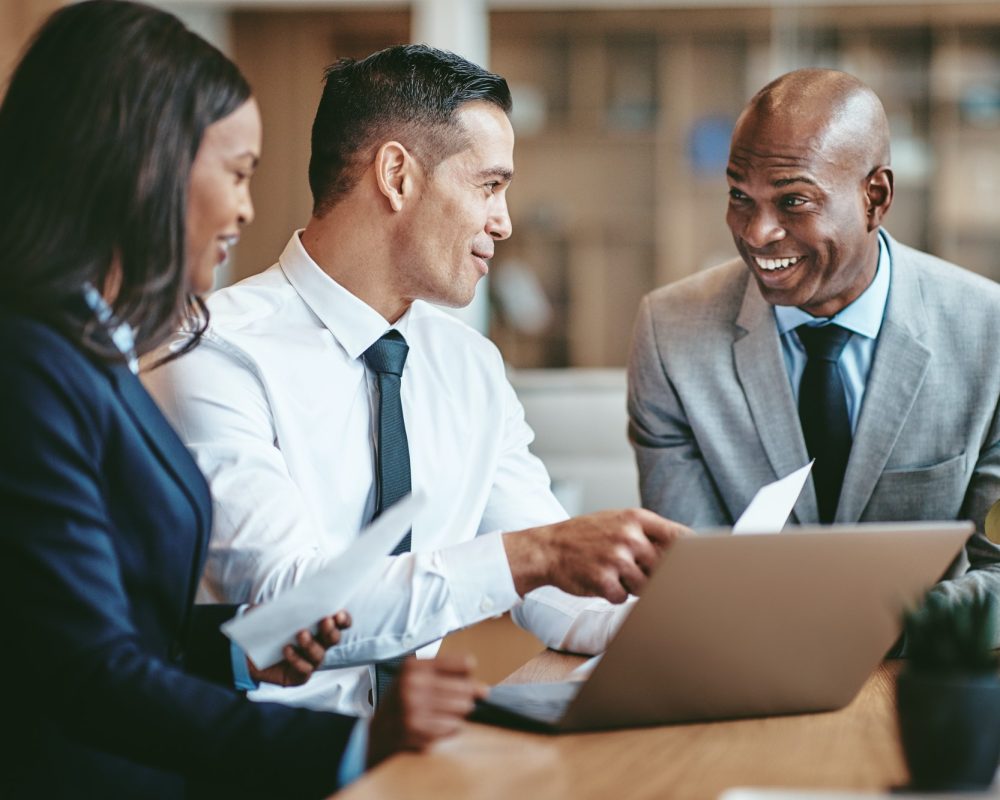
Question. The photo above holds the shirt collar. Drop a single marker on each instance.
(121, 333)
(353, 323)
(863, 316)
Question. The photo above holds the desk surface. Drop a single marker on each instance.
(855, 748)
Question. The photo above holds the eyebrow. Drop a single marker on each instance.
(497, 172)
(780, 183)
(795, 179)
(254, 158)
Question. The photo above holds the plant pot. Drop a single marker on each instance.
(950, 729)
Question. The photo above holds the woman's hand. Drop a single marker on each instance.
(302, 659)
(429, 700)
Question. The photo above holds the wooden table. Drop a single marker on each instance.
(855, 748)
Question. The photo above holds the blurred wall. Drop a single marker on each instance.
(18, 20)
(622, 121)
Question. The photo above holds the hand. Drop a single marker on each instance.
(305, 657)
(428, 701)
(609, 554)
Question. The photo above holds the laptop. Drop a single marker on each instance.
(744, 626)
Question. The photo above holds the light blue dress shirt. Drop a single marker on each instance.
(121, 333)
(863, 318)
(241, 670)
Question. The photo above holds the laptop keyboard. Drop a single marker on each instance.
(545, 702)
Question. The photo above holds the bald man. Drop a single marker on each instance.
(826, 339)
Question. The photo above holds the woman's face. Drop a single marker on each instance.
(219, 192)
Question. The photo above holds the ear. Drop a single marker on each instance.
(878, 195)
(395, 173)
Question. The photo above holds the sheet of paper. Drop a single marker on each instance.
(772, 505)
(582, 672)
(263, 632)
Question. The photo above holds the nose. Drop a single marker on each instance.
(245, 210)
(498, 225)
(762, 227)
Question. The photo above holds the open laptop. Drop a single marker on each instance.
(738, 626)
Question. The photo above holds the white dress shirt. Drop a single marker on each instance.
(277, 407)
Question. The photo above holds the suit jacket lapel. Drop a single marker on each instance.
(163, 441)
(764, 377)
(897, 373)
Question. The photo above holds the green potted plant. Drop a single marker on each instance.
(948, 695)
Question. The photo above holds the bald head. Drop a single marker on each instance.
(839, 113)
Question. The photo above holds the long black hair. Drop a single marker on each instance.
(99, 128)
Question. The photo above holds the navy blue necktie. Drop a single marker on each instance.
(392, 454)
(826, 425)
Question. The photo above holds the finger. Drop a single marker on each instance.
(427, 688)
(631, 577)
(449, 688)
(425, 728)
(296, 663)
(633, 551)
(453, 704)
(646, 555)
(309, 648)
(328, 634)
(609, 587)
(343, 619)
(658, 530)
(458, 664)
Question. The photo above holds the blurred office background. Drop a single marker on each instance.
(623, 112)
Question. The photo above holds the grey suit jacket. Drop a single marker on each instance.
(712, 415)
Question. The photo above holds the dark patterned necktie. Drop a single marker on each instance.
(386, 358)
(826, 425)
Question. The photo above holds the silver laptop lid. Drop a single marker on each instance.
(732, 626)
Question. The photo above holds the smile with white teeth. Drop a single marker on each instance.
(226, 243)
(771, 264)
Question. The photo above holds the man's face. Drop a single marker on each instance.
(461, 213)
(798, 212)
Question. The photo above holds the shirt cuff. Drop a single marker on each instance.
(241, 669)
(479, 577)
(352, 762)
(563, 621)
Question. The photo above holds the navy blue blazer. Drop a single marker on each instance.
(116, 685)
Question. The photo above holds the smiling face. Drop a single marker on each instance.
(802, 211)
(459, 214)
(219, 192)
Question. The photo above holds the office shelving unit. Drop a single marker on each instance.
(622, 120)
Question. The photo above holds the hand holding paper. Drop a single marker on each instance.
(265, 631)
(298, 663)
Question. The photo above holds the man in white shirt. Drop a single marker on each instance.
(412, 157)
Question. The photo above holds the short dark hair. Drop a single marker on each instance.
(99, 129)
(409, 93)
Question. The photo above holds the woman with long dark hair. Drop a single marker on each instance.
(126, 149)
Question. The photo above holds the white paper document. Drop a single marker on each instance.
(772, 505)
(584, 670)
(264, 631)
